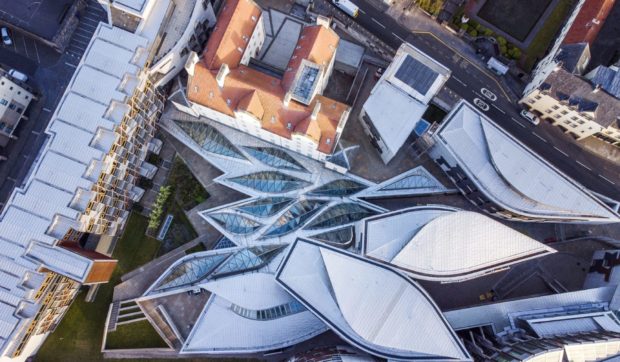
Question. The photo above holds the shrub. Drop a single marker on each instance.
(158, 207)
(487, 32)
(501, 40)
(465, 27)
(473, 32)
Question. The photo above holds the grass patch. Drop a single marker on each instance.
(140, 334)
(80, 333)
(547, 33)
(188, 191)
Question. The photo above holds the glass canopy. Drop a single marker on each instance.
(275, 157)
(265, 207)
(270, 182)
(341, 187)
(209, 138)
(294, 217)
(234, 223)
(340, 214)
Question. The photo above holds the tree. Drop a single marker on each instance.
(487, 32)
(514, 53)
(158, 207)
(473, 33)
(501, 41)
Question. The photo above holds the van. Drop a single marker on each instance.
(18, 75)
(348, 7)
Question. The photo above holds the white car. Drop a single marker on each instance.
(531, 117)
(6, 37)
(481, 104)
(490, 95)
(15, 74)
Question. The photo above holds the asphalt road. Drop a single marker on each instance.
(468, 79)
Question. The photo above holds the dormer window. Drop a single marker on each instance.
(273, 119)
(228, 101)
(328, 141)
(253, 18)
(289, 125)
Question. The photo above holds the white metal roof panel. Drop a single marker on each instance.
(512, 174)
(220, 330)
(373, 307)
(110, 58)
(393, 113)
(73, 141)
(83, 112)
(97, 85)
(61, 260)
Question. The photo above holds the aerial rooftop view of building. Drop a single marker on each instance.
(14, 100)
(288, 111)
(421, 242)
(198, 196)
(505, 178)
(579, 107)
(400, 98)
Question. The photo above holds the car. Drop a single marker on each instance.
(15, 74)
(490, 95)
(347, 6)
(481, 104)
(6, 36)
(531, 117)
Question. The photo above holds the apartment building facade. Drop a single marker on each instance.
(289, 111)
(14, 100)
(580, 108)
(83, 181)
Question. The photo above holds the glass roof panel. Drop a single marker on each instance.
(275, 157)
(234, 223)
(224, 243)
(342, 187)
(209, 138)
(415, 180)
(294, 217)
(190, 271)
(248, 259)
(264, 207)
(340, 214)
(342, 237)
(270, 181)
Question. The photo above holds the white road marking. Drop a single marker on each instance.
(381, 25)
(399, 38)
(519, 123)
(460, 81)
(584, 166)
(25, 47)
(37, 51)
(361, 11)
(499, 109)
(71, 65)
(47, 110)
(539, 137)
(606, 179)
(560, 151)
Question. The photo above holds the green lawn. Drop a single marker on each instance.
(547, 34)
(80, 333)
(140, 334)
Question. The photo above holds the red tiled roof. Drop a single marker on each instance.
(231, 34)
(260, 94)
(316, 43)
(589, 21)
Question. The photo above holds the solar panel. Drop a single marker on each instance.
(416, 75)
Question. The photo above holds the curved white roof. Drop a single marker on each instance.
(511, 174)
(446, 244)
(373, 307)
(222, 327)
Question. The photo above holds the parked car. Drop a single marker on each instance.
(6, 36)
(348, 7)
(18, 75)
(531, 117)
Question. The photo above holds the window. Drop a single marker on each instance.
(538, 97)
(564, 113)
(4, 102)
(555, 107)
(12, 106)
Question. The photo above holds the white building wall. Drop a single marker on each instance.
(248, 124)
(172, 63)
(546, 65)
(255, 42)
